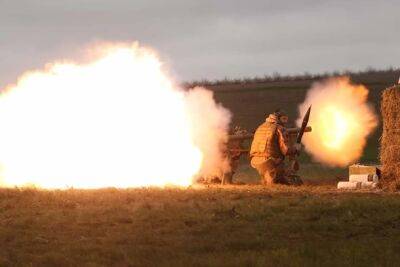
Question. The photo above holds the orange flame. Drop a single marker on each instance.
(341, 119)
(116, 121)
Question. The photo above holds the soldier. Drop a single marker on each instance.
(269, 148)
(233, 153)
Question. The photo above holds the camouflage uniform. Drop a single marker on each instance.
(233, 155)
(268, 151)
(233, 151)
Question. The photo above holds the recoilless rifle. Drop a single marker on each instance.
(292, 132)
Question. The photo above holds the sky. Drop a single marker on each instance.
(206, 39)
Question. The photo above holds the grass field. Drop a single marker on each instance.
(231, 226)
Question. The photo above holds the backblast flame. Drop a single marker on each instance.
(341, 119)
(116, 121)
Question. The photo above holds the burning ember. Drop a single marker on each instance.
(117, 121)
(341, 120)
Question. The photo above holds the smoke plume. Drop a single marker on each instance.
(341, 120)
(115, 120)
(209, 122)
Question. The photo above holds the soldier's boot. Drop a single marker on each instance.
(294, 179)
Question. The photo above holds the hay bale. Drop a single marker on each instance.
(390, 141)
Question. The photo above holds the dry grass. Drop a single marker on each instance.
(231, 226)
(390, 142)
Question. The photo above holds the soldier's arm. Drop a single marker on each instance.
(283, 141)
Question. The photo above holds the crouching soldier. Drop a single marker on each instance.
(269, 148)
(233, 152)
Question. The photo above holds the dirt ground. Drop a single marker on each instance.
(246, 225)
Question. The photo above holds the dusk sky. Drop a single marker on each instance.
(206, 39)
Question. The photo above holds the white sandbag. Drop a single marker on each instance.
(349, 185)
(363, 178)
(369, 185)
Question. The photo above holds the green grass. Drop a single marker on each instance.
(231, 226)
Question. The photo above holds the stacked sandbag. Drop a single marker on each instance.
(361, 177)
(360, 181)
(390, 141)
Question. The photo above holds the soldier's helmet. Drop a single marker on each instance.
(281, 116)
(237, 130)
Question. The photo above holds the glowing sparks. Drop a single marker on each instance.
(115, 121)
(341, 121)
